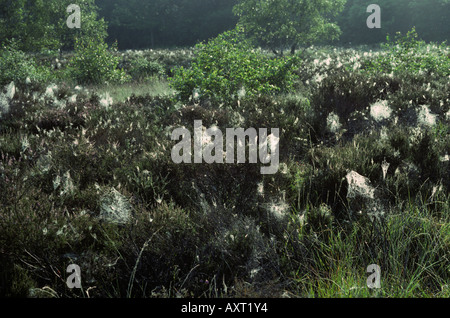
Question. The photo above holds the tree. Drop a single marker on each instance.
(92, 26)
(289, 23)
(95, 63)
(26, 22)
(41, 24)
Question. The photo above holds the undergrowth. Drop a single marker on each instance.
(72, 159)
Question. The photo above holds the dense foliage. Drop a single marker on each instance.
(228, 68)
(17, 66)
(406, 53)
(95, 63)
(287, 23)
(143, 68)
(41, 24)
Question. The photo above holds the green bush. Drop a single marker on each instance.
(408, 53)
(228, 67)
(17, 66)
(142, 68)
(95, 63)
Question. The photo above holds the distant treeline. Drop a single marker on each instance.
(137, 24)
(430, 17)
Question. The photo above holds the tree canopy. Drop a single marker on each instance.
(41, 24)
(140, 24)
(288, 23)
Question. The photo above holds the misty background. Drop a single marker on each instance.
(140, 24)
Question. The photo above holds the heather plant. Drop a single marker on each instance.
(88, 179)
(292, 112)
(349, 95)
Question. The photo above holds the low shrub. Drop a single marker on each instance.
(142, 68)
(95, 63)
(228, 68)
(17, 66)
(408, 53)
